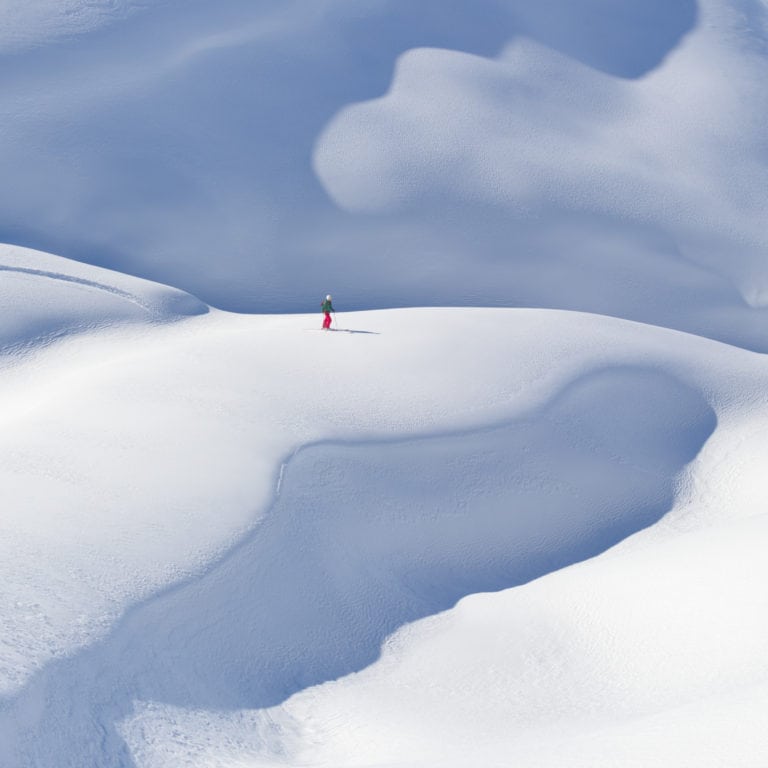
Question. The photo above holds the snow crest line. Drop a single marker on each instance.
(153, 311)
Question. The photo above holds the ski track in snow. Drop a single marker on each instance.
(28, 330)
(151, 310)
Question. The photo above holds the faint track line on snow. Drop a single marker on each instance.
(162, 306)
(105, 287)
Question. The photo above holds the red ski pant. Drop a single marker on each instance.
(327, 321)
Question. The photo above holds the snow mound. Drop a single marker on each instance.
(570, 187)
(645, 657)
(46, 297)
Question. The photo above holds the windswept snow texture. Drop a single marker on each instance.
(24, 25)
(580, 154)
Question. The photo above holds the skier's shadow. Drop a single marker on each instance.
(366, 537)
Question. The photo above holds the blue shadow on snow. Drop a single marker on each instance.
(364, 537)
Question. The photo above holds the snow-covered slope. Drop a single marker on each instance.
(525, 528)
(46, 297)
(173, 595)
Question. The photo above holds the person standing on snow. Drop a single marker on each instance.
(327, 308)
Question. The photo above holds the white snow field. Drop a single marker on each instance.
(235, 540)
(511, 511)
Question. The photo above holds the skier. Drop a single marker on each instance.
(327, 308)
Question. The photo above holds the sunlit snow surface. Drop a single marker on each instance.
(529, 534)
(208, 516)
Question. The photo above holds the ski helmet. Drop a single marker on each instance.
(328, 297)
